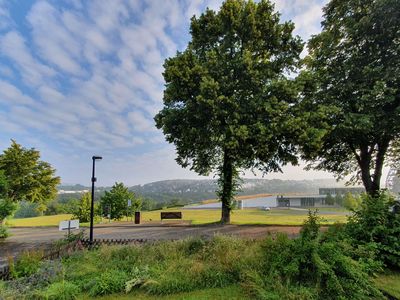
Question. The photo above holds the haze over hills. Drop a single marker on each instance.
(196, 190)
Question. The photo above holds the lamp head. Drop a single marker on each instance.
(97, 157)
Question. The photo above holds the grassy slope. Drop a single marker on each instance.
(204, 216)
(390, 283)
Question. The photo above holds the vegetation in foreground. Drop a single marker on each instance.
(341, 263)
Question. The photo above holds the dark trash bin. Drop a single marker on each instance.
(138, 217)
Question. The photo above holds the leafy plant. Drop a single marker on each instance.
(3, 232)
(376, 222)
(139, 276)
(310, 267)
(62, 290)
(27, 263)
(109, 282)
(82, 212)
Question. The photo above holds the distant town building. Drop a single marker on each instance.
(302, 201)
(341, 190)
(316, 200)
(72, 192)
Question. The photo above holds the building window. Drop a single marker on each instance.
(307, 202)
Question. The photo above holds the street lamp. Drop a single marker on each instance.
(94, 158)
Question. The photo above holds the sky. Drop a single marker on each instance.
(82, 78)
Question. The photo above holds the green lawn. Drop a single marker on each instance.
(389, 283)
(39, 221)
(248, 216)
(205, 216)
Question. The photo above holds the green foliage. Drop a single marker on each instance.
(351, 202)
(30, 286)
(307, 268)
(350, 100)
(311, 226)
(115, 201)
(310, 267)
(329, 200)
(82, 212)
(339, 199)
(7, 208)
(63, 290)
(26, 210)
(376, 222)
(109, 282)
(3, 232)
(227, 102)
(27, 176)
(27, 263)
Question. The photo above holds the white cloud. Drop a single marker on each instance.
(140, 122)
(87, 77)
(5, 18)
(11, 95)
(13, 45)
(57, 45)
(7, 72)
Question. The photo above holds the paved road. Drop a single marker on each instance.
(39, 237)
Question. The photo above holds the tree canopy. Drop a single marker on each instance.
(115, 201)
(227, 101)
(351, 97)
(82, 211)
(28, 178)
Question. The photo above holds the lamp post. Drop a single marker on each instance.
(94, 158)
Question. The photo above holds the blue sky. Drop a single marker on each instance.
(79, 78)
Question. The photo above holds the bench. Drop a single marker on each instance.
(171, 215)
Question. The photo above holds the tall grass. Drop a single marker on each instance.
(277, 267)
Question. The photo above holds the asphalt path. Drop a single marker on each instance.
(27, 238)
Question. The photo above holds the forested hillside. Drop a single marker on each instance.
(188, 191)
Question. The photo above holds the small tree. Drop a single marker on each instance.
(339, 199)
(115, 201)
(329, 200)
(82, 212)
(351, 201)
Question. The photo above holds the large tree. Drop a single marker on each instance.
(351, 99)
(227, 97)
(28, 178)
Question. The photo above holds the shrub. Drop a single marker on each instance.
(48, 272)
(376, 222)
(310, 267)
(27, 264)
(3, 232)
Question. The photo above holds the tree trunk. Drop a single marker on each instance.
(372, 181)
(227, 189)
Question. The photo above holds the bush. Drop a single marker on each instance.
(27, 264)
(3, 232)
(376, 222)
(310, 267)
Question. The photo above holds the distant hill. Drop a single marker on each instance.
(190, 191)
(197, 190)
